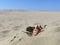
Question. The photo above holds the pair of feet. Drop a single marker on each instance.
(34, 30)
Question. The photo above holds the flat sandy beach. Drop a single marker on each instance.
(14, 22)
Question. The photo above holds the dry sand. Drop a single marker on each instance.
(13, 23)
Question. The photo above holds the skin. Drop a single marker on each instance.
(35, 31)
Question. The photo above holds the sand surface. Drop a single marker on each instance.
(13, 23)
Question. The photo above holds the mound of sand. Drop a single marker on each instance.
(13, 23)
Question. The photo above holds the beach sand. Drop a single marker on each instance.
(13, 23)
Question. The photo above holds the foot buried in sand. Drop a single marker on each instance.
(35, 30)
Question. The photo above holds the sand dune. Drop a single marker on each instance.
(13, 23)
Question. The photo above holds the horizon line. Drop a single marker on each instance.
(24, 10)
